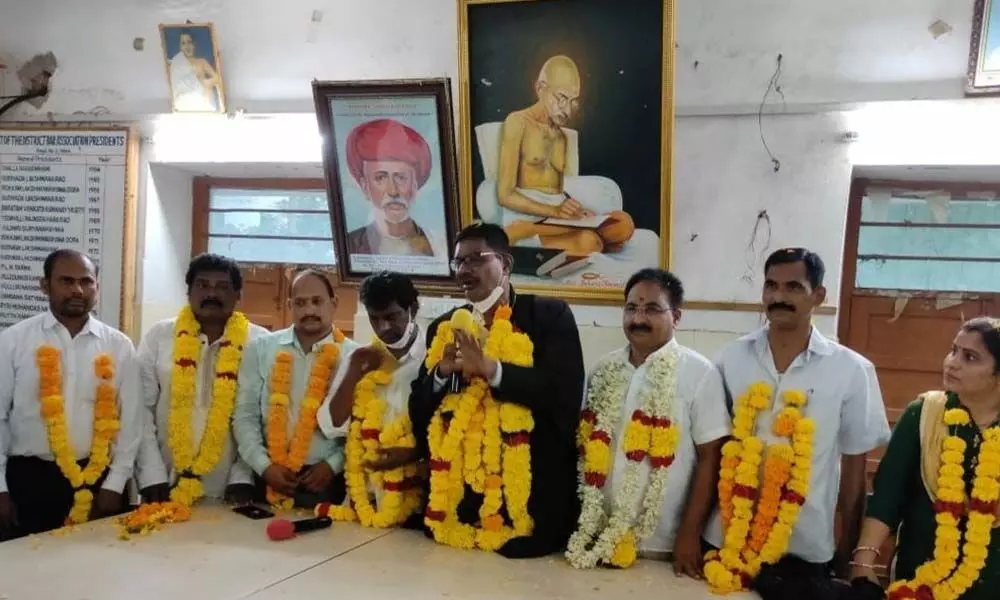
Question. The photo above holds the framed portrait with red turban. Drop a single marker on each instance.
(389, 161)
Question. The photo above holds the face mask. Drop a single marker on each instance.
(406, 338)
(483, 306)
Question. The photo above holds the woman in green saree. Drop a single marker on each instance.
(937, 485)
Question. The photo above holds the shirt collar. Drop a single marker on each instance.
(818, 343)
(286, 337)
(665, 348)
(50, 322)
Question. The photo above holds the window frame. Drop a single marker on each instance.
(852, 234)
(202, 193)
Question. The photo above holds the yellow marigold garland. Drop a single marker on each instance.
(500, 464)
(148, 517)
(106, 424)
(292, 455)
(187, 352)
(944, 577)
(367, 434)
(754, 539)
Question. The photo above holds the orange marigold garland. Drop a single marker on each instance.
(945, 577)
(500, 465)
(752, 539)
(183, 392)
(106, 426)
(293, 455)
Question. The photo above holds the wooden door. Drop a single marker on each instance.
(264, 293)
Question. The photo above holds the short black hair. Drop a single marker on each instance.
(988, 329)
(815, 269)
(667, 281)
(493, 235)
(303, 273)
(214, 263)
(379, 290)
(56, 255)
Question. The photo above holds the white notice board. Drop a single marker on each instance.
(65, 186)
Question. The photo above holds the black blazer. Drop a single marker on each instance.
(553, 390)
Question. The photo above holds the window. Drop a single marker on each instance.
(270, 225)
(929, 241)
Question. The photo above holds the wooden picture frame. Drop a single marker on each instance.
(194, 68)
(389, 161)
(983, 76)
(588, 87)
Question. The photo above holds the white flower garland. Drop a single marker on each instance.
(605, 398)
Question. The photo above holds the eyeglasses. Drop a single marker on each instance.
(472, 261)
(651, 310)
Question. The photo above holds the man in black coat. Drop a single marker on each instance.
(552, 388)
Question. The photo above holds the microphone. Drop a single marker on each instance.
(283, 529)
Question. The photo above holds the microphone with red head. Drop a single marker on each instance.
(283, 529)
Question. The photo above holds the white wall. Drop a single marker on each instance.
(834, 55)
(166, 248)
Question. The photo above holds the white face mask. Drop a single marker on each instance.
(405, 339)
(483, 306)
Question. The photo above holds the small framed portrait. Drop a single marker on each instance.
(389, 159)
(194, 70)
(566, 130)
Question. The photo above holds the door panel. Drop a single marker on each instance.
(264, 296)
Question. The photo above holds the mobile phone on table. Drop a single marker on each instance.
(253, 512)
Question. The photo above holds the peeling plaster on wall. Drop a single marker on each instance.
(36, 73)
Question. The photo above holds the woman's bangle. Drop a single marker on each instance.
(861, 565)
(872, 549)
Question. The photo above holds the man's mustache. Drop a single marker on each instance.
(309, 319)
(640, 327)
(211, 302)
(780, 306)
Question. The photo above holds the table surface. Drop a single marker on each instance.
(219, 555)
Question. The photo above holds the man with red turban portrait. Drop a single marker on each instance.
(391, 162)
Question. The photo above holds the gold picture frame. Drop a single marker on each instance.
(196, 84)
(551, 31)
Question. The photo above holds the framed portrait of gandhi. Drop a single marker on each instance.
(389, 160)
(566, 126)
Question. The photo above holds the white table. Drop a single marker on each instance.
(218, 555)
(407, 565)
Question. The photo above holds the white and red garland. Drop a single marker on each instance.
(651, 435)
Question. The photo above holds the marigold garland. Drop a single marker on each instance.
(183, 393)
(753, 539)
(148, 517)
(368, 433)
(944, 577)
(106, 424)
(292, 455)
(499, 465)
(603, 538)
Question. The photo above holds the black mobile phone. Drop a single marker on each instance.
(253, 512)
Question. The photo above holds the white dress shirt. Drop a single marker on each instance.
(22, 431)
(700, 413)
(845, 401)
(397, 393)
(156, 361)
